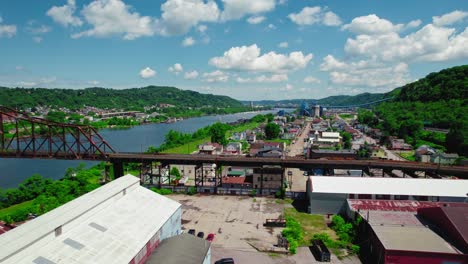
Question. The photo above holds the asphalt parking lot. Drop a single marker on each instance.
(237, 223)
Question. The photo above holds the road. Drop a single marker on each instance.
(297, 148)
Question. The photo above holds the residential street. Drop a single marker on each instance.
(297, 148)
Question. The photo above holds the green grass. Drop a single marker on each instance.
(408, 155)
(13, 208)
(311, 224)
(346, 116)
(242, 127)
(286, 141)
(187, 148)
(192, 146)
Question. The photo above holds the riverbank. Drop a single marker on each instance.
(134, 139)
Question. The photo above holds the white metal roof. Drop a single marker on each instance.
(391, 186)
(108, 225)
(331, 134)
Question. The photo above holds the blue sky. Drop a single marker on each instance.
(252, 50)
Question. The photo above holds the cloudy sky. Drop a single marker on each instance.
(262, 49)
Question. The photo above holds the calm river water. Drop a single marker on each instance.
(135, 139)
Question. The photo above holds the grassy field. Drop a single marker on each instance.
(241, 128)
(187, 148)
(346, 116)
(286, 141)
(13, 208)
(311, 224)
(192, 146)
(408, 155)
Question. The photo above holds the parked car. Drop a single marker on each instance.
(201, 235)
(191, 231)
(210, 237)
(225, 261)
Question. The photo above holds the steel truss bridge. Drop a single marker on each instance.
(25, 136)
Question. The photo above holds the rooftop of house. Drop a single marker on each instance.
(233, 180)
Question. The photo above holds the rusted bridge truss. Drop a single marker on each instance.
(25, 136)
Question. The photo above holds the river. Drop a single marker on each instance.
(134, 139)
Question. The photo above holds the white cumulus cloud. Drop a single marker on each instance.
(188, 41)
(430, 43)
(179, 16)
(311, 79)
(215, 76)
(249, 58)
(202, 28)
(176, 68)
(371, 25)
(369, 73)
(449, 18)
(7, 30)
(114, 17)
(264, 79)
(190, 75)
(283, 45)
(147, 73)
(235, 9)
(64, 14)
(256, 19)
(288, 87)
(315, 15)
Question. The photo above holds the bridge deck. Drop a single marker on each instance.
(290, 162)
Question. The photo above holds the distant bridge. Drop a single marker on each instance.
(360, 105)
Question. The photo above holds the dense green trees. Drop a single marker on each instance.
(272, 131)
(457, 139)
(346, 140)
(129, 99)
(47, 194)
(218, 133)
(447, 84)
(367, 117)
(439, 100)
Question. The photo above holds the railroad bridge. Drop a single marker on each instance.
(25, 136)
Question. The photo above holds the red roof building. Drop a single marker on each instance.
(235, 182)
(412, 232)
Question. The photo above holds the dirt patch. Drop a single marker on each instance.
(185, 221)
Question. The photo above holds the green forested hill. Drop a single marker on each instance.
(111, 98)
(439, 100)
(447, 84)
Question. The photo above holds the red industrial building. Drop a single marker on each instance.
(422, 232)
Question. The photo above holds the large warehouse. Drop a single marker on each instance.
(328, 194)
(120, 222)
(411, 231)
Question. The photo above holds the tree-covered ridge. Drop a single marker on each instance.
(448, 84)
(129, 99)
(440, 100)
